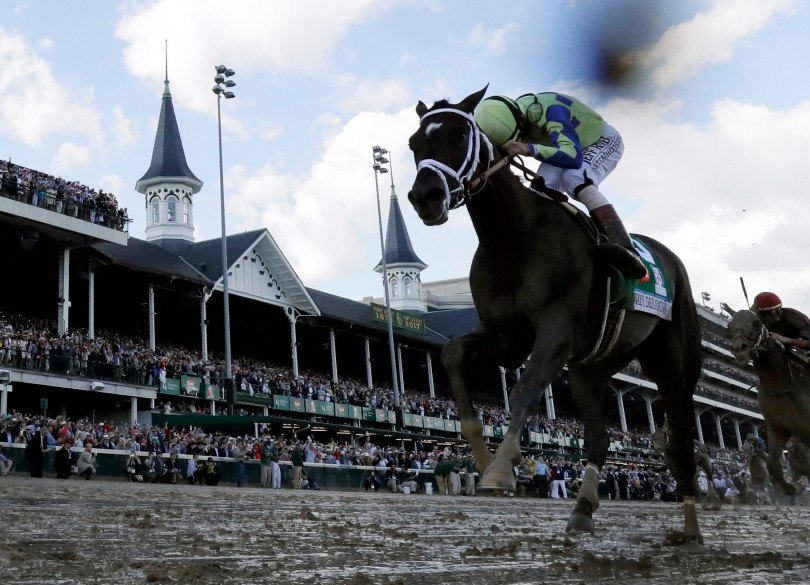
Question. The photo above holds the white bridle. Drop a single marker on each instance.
(471, 161)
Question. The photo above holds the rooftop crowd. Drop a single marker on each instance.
(61, 196)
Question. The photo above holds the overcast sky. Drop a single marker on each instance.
(715, 113)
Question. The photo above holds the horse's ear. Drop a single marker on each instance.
(421, 109)
(468, 103)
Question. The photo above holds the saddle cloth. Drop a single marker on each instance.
(652, 294)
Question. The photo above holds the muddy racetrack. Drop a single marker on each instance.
(100, 531)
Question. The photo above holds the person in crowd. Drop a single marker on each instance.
(558, 480)
(391, 479)
(239, 456)
(307, 483)
(63, 461)
(409, 482)
(87, 461)
(541, 478)
(275, 468)
(193, 473)
(151, 473)
(578, 150)
(211, 472)
(440, 472)
(468, 464)
(268, 450)
(453, 477)
(297, 459)
(35, 451)
(171, 472)
(371, 481)
(134, 468)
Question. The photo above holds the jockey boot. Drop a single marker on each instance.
(618, 251)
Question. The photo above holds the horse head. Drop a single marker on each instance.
(447, 149)
(746, 332)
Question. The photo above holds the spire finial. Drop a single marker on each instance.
(166, 92)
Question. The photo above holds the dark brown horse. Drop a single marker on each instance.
(783, 392)
(540, 287)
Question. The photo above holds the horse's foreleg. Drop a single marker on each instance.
(777, 439)
(545, 363)
(464, 359)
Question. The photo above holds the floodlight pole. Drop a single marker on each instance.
(379, 160)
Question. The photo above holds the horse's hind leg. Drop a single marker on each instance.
(588, 392)
(777, 439)
(464, 360)
(674, 364)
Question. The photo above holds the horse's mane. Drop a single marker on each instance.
(441, 104)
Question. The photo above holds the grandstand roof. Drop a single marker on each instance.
(168, 156)
(398, 248)
(359, 313)
(149, 257)
(280, 285)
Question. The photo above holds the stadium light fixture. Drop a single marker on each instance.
(379, 169)
(221, 73)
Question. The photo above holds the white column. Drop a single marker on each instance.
(399, 372)
(717, 419)
(151, 404)
(650, 418)
(504, 390)
(91, 302)
(133, 410)
(213, 407)
(369, 378)
(265, 410)
(431, 386)
(293, 341)
(204, 324)
(151, 306)
(699, 428)
(620, 401)
(333, 355)
(4, 398)
(737, 433)
(551, 410)
(63, 303)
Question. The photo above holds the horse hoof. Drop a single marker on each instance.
(579, 523)
(497, 479)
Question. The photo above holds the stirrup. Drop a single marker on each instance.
(622, 259)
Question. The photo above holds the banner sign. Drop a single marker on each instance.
(399, 319)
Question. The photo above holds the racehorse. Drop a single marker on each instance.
(783, 392)
(540, 289)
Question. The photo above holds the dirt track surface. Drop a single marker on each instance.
(99, 531)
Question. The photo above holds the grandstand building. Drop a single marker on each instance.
(101, 285)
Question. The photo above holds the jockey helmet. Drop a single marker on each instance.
(498, 118)
(766, 301)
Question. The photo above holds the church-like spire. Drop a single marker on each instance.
(398, 248)
(403, 267)
(168, 182)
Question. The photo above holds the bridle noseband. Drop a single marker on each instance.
(463, 176)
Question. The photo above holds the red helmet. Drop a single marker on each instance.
(766, 301)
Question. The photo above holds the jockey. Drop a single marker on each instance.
(789, 326)
(578, 148)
